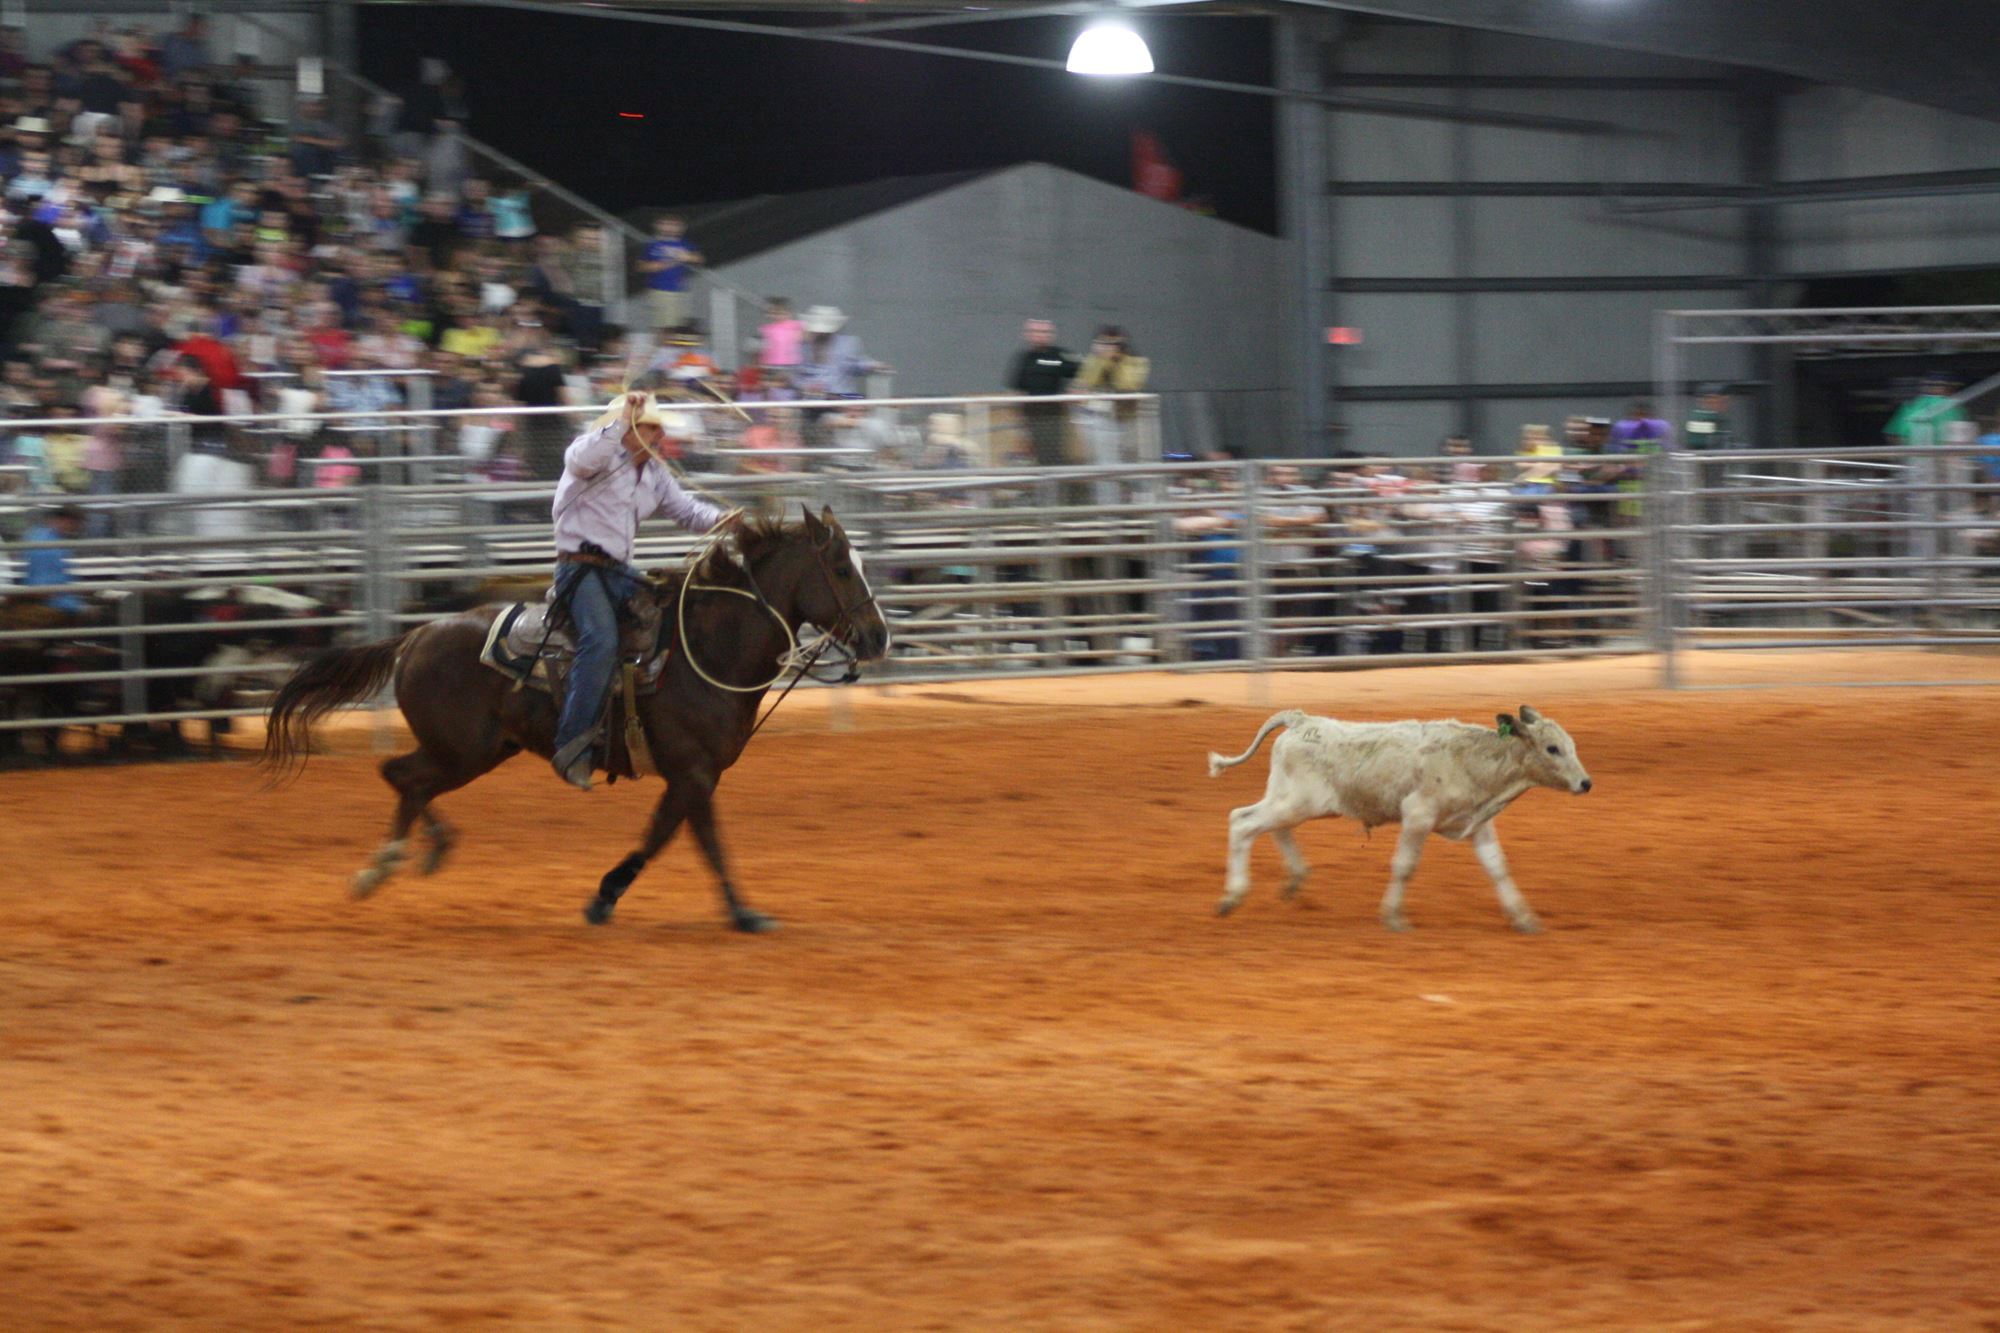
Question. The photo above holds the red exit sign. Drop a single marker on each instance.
(1344, 336)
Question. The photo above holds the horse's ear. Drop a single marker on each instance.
(832, 523)
(814, 528)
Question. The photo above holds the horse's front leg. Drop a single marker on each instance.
(667, 817)
(701, 814)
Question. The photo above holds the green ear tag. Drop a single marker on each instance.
(1506, 728)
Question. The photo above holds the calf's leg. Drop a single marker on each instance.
(1487, 844)
(1246, 823)
(1409, 850)
(1296, 867)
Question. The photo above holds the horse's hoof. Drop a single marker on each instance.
(753, 923)
(439, 853)
(597, 911)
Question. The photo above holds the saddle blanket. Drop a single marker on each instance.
(520, 646)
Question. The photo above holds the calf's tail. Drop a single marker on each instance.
(1291, 717)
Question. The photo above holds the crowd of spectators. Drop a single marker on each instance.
(176, 241)
(1352, 544)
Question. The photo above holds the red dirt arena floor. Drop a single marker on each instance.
(1003, 1068)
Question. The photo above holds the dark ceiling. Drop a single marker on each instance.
(1935, 52)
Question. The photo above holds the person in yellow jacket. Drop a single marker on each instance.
(1109, 427)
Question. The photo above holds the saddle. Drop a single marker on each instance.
(526, 647)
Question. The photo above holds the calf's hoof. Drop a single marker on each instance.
(1395, 921)
(365, 882)
(1292, 888)
(1227, 905)
(753, 923)
(598, 911)
(1528, 924)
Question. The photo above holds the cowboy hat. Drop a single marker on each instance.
(823, 319)
(31, 125)
(616, 410)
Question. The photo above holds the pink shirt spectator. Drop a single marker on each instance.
(333, 474)
(782, 340)
(106, 452)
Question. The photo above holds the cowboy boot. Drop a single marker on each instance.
(574, 762)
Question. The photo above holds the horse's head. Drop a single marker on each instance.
(832, 590)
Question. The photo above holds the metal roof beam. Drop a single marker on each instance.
(1571, 83)
(1378, 189)
(1916, 185)
(1683, 282)
(1455, 393)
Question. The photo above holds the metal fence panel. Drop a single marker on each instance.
(195, 603)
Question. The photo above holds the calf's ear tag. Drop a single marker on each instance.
(1506, 726)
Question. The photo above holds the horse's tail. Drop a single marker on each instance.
(337, 676)
(1291, 717)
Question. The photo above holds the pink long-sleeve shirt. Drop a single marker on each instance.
(603, 495)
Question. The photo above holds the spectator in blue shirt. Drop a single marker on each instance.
(1989, 457)
(185, 50)
(48, 566)
(220, 217)
(668, 264)
(475, 216)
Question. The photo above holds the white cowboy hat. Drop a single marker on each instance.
(824, 319)
(31, 125)
(649, 413)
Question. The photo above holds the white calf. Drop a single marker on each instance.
(1431, 777)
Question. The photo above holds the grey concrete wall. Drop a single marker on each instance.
(939, 288)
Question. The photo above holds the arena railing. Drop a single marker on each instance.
(984, 571)
(1810, 549)
(993, 570)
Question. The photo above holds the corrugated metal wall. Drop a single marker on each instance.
(939, 289)
(1836, 133)
(1491, 279)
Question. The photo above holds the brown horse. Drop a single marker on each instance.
(468, 719)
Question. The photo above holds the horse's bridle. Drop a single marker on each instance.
(799, 658)
(847, 613)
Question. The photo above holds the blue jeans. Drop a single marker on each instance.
(595, 593)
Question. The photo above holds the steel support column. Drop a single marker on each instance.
(1304, 136)
(1470, 417)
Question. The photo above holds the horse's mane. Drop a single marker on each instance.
(728, 559)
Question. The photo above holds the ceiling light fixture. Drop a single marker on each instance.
(1110, 49)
